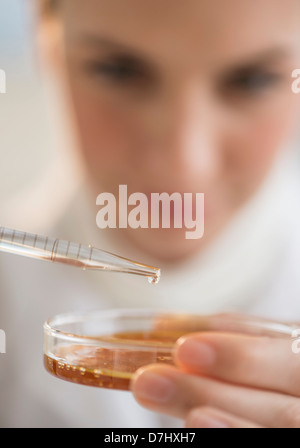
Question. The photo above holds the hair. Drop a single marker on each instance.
(48, 6)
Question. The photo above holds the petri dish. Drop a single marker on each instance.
(104, 348)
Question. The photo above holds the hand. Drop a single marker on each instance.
(226, 380)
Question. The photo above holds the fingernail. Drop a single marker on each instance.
(196, 354)
(153, 387)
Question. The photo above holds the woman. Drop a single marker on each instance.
(188, 97)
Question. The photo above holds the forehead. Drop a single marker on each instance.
(209, 27)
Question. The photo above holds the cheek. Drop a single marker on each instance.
(107, 137)
(259, 141)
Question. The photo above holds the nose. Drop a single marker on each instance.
(185, 134)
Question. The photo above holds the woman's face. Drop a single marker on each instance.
(181, 96)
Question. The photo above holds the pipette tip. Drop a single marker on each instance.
(153, 280)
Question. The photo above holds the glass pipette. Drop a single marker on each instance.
(73, 254)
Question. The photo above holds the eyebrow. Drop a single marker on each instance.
(94, 40)
(251, 61)
(261, 59)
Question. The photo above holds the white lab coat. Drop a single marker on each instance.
(252, 267)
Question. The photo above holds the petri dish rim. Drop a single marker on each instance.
(51, 327)
(51, 330)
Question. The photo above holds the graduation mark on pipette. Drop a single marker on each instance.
(72, 254)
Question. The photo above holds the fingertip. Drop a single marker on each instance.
(151, 384)
(195, 353)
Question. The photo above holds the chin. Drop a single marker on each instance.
(165, 246)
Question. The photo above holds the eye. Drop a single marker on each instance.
(252, 82)
(120, 70)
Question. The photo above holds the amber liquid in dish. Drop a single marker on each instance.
(112, 367)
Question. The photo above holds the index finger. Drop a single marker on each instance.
(260, 362)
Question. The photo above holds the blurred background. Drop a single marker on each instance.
(26, 145)
(31, 138)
